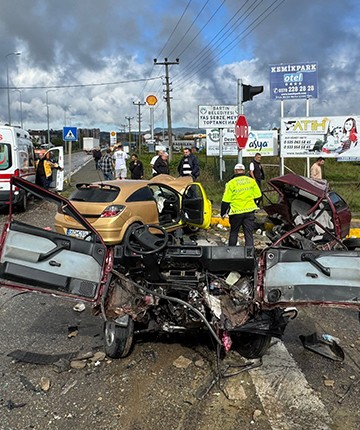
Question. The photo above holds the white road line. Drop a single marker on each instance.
(288, 400)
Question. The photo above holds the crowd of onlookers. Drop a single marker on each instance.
(115, 163)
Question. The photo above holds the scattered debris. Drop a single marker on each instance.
(199, 363)
(329, 383)
(78, 364)
(72, 331)
(256, 414)
(85, 355)
(62, 365)
(98, 356)
(182, 362)
(79, 307)
(36, 358)
(329, 349)
(10, 405)
(234, 390)
(68, 387)
(45, 383)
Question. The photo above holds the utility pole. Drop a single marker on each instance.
(167, 97)
(139, 104)
(129, 118)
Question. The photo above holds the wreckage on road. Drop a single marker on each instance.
(155, 281)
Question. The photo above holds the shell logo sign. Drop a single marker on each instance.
(151, 100)
(112, 138)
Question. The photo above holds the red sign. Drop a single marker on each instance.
(241, 131)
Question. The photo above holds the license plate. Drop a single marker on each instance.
(80, 234)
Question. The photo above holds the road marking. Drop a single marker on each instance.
(288, 400)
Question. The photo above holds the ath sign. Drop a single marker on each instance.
(217, 116)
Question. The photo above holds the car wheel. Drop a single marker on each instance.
(22, 205)
(352, 243)
(251, 345)
(118, 339)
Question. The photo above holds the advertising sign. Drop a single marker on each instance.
(333, 136)
(217, 116)
(293, 81)
(264, 141)
(113, 138)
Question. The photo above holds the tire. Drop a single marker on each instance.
(118, 339)
(252, 345)
(352, 243)
(190, 229)
(22, 205)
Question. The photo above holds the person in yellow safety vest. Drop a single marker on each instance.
(239, 201)
(44, 169)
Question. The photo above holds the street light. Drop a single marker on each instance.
(21, 115)
(7, 81)
(47, 114)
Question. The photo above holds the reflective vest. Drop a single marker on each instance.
(240, 192)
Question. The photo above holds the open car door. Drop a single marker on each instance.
(196, 208)
(40, 259)
(294, 277)
(57, 176)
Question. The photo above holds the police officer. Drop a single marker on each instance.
(238, 201)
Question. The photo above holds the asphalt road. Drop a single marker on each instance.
(293, 389)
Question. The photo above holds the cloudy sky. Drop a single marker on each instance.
(92, 59)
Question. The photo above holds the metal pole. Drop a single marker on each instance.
(139, 104)
(129, 118)
(47, 115)
(7, 81)
(221, 142)
(21, 115)
(166, 63)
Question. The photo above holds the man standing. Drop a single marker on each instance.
(239, 201)
(120, 158)
(315, 170)
(161, 165)
(136, 168)
(255, 169)
(189, 165)
(106, 165)
(97, 156)
(153, 160)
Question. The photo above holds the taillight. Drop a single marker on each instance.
(113, 210)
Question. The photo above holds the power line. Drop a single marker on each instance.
(83, 85)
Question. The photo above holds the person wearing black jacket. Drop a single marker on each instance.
(189, 165)
(97, 155)
(161, 165)
(256, 170)
(136, 167)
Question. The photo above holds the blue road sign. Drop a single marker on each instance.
(69, 133)
(293, 81)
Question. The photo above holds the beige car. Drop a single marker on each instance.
(111, 207)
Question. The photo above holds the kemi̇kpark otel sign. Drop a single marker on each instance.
(294, 81)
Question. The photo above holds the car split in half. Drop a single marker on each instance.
(154, 281)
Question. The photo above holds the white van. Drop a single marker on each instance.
(17, 159)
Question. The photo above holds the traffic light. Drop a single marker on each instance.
(248, 92)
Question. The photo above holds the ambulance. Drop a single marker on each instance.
(17, 159)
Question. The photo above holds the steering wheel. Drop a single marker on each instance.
(141, 241)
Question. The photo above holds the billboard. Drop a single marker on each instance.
(217, 116)
(264, 141)
(333, 136)
(293, 81)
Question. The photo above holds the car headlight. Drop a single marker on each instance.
(113, 210)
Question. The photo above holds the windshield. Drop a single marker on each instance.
(95, 194)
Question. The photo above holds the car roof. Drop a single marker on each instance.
(312, 186)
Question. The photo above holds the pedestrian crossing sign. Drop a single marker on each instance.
(69, 133)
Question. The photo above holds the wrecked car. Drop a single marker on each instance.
(306, 214)
(158, 282)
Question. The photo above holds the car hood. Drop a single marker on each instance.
(318, 188)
